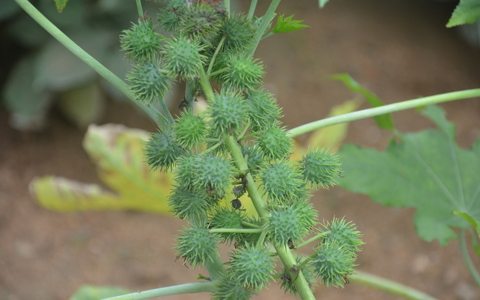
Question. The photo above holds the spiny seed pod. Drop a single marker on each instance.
(320, 168)
(192, 205)
(252, 266)
(333, 264)
(254, 157)
(224, 217)
(171, 17)
(263, 109)
(228, 112)
(291, 224)
(185, 175)
(182, 57)
(243, 73)
(161, 151)
(189, 130)
(213, 172)
(281, 182)
(201, 22)
(287, 282)
(343, 233)
(275, 143)
(196, 245)
(249, 238)
(229, 288)
(238, 32)
(148, 82)
(141, 42)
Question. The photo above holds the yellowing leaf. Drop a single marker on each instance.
(117, 152)
(332, 136)
(329, 137)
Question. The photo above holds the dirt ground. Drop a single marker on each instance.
(398, 49)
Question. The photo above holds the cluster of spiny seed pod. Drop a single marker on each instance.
(207, 46)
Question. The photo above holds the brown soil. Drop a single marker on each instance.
(398, 49)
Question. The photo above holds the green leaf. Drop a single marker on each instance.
(55, 62)
(475, 224)
(383, 121)
(287, 24)
(117, 152)
(27, 104)
(426, 170)
(466, 12)
(83, 105)
(322, 3)
(89, 292)
(61, 4)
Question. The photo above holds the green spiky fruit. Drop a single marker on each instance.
(320, 168)
(213, 172)
(148, 82)
(182, 57)
(263, 109)
(141, 42)
(224, 217)
(196, 245)
(192, 205)
(275, 144)
(229, 288)
(238, 32)
(291, 224)
(281, 182)
(161, 152)
(185, 172)
(252, 266)
(170, 18)
(343, 233)
(243, 73)
(228, 112)
(189, 130)
(201, 22)
(254, 158)
(333, 263)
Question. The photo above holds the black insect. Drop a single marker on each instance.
(291, 246)
(236, 203)
(183, 103)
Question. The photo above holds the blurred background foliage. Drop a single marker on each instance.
(36, 71)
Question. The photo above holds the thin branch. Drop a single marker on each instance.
(372, 112)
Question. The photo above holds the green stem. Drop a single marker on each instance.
(139, 8)
(313, 239)
(391, 287)
(251, 10)
(284, 253)
(218, 72)
(267, 35)
(466, 257)
(215, 267)
(250, 224)
(226, 3)
(212, 61)
(233, 147)
(235, 230)
(262, 28)
(194, 287)
(206, 86)
(372, 112)
(152, 112)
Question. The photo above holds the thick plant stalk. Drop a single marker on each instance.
(388, 286)
(87, 58)
(466, 257)
(194, 287)
(372, 112)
